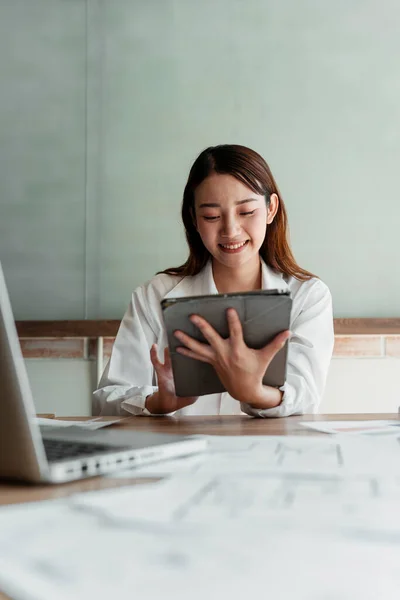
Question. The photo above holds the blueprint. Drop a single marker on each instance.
(244, 454)
(51, 550)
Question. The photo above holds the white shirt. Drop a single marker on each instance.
(130, 377)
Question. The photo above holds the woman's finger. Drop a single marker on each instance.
(154, 358)
(235, 327)
(167, 358)
(191, 354)
(212, 336)
(271, 349)
(199, 348)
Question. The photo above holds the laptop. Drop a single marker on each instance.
(61, 454)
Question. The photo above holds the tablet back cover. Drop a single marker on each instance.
(263, 315)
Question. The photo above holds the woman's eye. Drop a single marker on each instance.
(210, 218)
(247, 214)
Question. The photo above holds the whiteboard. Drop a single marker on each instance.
(105, 105)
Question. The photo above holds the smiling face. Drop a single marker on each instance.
(232, 219)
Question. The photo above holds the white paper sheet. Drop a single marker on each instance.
(283, 517)
(355, 427)
(244, 454)
(351, 502)
(90, 424)
(49, 551)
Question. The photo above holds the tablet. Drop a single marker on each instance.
(263, 314)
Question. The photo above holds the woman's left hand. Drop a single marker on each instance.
(240, 369)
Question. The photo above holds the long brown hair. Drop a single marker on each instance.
(250, 168)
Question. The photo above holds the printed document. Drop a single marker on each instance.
(355, 427)
(246, 454)
(52, 551)
(90, 424)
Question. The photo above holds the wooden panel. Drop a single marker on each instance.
(51, 348)
(32, 329)
(109, 328)
(367, 326)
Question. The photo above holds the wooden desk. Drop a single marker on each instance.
(218, 425)
(12, 493)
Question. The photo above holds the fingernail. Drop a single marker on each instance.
(194, 318)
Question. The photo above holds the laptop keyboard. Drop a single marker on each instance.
(57, 450)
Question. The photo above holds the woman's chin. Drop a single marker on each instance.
(236, 258)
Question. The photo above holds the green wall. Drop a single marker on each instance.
(105, 104)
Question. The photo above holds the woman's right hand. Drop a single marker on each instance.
(165, 400)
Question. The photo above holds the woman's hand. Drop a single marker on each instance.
(241, 369)
(165, 400)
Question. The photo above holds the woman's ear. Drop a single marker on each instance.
(273, 206)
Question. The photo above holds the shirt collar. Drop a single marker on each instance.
(272, 280)
(203, 283)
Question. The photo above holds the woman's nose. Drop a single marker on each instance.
(230, 228)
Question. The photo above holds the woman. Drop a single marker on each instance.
(236, 228)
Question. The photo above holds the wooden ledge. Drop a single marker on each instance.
(71, 329)
(367, 326)
(109, 328)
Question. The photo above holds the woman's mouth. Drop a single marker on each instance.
(233, 248)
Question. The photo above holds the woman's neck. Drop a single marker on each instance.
(243, 279)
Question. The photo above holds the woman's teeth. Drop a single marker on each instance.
(233, 246)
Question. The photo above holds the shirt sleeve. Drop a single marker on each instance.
(309, 356)
(129, 376)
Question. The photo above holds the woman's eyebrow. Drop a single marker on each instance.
(216, 205)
